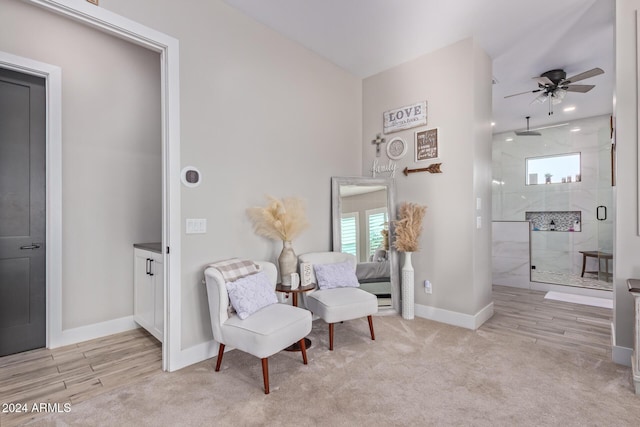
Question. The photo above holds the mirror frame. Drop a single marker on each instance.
(336, 210)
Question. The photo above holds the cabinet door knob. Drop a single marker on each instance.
(150, 267)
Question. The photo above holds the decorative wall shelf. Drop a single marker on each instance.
(570, 221)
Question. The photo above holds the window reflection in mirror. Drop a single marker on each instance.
(556, 169)
(364, 217)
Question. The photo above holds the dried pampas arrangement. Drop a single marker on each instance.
(280, 220)
(409, 227)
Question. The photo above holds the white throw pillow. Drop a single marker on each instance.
(337, 275)
(251, 293)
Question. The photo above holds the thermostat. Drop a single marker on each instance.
(191, 176)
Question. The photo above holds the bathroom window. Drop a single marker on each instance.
(556, 169)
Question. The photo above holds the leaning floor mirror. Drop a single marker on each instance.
(362, 214)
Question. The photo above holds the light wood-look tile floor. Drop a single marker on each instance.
(525, 314)
(78, 372)
(74, 373)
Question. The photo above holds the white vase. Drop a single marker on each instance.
(288, 263)
(408, 308)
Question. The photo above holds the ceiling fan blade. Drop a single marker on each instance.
(579, 88)
(522, 93)
(543, 80)
(591, 73)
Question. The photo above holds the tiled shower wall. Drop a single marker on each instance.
(554, 251)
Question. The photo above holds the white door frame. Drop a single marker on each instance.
(168, 48)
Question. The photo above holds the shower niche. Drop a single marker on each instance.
(562, 221)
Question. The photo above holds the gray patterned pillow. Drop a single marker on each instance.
(251, 293)
(337, 275)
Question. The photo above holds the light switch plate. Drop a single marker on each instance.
(196, 225)
(478, 222)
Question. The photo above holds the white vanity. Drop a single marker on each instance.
(148, 292)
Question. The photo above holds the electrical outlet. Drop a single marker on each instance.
(427, 287)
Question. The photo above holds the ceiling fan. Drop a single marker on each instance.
(554, 85)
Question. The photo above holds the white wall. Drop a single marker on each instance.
(111, 178)
(259, 115)
(627, 242)
(454, 255)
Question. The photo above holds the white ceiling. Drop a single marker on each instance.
(524, 39)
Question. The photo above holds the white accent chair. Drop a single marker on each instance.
(264, 333)
(338, 304)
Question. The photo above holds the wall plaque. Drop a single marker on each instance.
(406, 117)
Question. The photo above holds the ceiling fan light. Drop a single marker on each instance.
(558, 96)
(540, 99)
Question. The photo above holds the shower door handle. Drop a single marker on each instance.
(604, 216)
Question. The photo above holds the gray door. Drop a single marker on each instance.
(22, 212)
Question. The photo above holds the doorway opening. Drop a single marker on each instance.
(167, 47)
(570, 211)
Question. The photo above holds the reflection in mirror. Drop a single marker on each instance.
(361, 210)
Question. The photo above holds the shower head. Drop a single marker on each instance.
(528, 132)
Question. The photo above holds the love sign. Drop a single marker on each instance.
(405, 117)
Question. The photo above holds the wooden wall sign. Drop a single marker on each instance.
(405, 117)
(427, 146)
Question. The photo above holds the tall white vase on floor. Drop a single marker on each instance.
(408, 308)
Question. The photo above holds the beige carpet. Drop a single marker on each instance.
(416, 373)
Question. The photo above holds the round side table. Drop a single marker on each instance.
(294, 292)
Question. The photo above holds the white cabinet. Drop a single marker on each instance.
(148, 291)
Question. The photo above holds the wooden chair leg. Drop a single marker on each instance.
(265, 374)
(220, 353)
(331, 336)
(370, 318)
(303, 348)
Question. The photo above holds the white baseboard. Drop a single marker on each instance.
(453, 317)
(96, 330)
(621, 355)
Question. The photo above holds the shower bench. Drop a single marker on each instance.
(599, 255)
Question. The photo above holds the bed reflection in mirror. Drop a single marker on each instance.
(362, 208)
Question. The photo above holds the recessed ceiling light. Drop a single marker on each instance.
(509, 139)
(493, 123)
(568, 109)
(575, 130)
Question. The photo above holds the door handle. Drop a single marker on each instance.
(31, 246)
(598, 217)
(150, 267)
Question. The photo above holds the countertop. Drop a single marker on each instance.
(634, 285)
(153, 247)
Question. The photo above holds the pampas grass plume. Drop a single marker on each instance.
(280, 220)
(409, 227)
